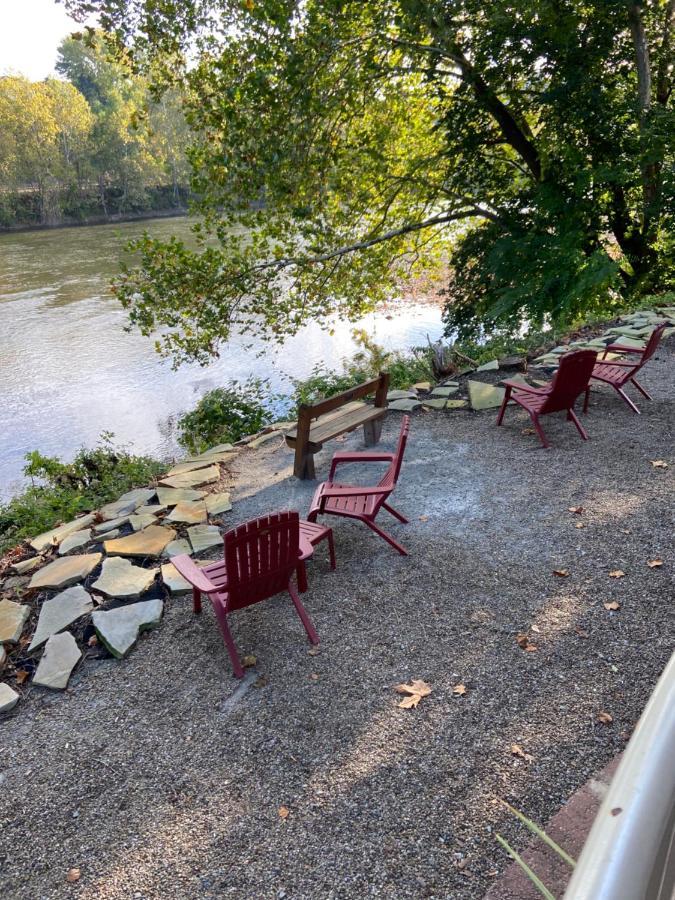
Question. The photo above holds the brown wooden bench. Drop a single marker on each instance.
(337, 415)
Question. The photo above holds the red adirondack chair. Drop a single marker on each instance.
(259, 561)
(363, 502)
(619, 372)
(569, 382)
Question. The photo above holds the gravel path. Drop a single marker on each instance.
(162, 777)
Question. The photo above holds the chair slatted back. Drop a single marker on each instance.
(260, 557)
(390, 477)
(571, 379)
(653, 342)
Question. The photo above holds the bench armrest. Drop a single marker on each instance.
(193, 574)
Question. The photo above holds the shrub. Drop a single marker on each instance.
(226, 414)
(59, 491)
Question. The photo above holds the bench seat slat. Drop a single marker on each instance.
(329, 417)
(321, 431)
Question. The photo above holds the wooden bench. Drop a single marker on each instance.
(337, 415)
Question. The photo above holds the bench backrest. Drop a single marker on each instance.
(378, 386)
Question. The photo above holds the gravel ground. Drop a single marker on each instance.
(162, 777)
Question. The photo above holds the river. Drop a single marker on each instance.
(68, 370)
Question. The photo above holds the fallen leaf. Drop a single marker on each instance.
(561, 573)
(655, 563)
(659, 463)
(415, 690)
(314, 651)
(617, 573)
(283, 812)
(459, 689)
(617, 811)
(261, 682)
(536, 629)
(21, 675)
(517, 750)
(580, 525)
(625, 531)
(613, 604)
(73, 875)
(605, 718)
(248, 661)
(575, 509)
(424, 518)
(314, 676)
(524, 642)
(528, 431)
(93, 641)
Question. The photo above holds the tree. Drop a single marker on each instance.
(339, 142)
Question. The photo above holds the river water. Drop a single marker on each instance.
(68, 370)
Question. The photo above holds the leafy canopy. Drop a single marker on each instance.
(341, 144)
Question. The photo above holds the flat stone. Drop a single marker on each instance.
(188, 512)
(12, 619)
(108, 536)
(454, 384)
(485, 396)
(464, 371)
(56, 535)
(119, 509)
(59, 612)
(203, 537)
(171, 496)
(435, 404)
(421, 386)
(173, 580)
(176, 548)
(139, 495)
(8, 698)
(218, 503)
(262, 439)
(511, 362)
(518, 378)
(138, 522)
(191, 465)
(445, 391)
(59, 659)
(153, 509)
(27, 565)
(193, 479)
(404, 405)
(73, 541)
(15, 583)
(456, 404)
(149, 542)
(118, 629)
(121, 578)
(490, 366)
(220, 448)
(110, 525)
(401, 395)
(3, 657)
(66, 571)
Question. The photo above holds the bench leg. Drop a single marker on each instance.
(304, 467)
(371, 432)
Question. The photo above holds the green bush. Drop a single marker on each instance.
(227, 414)
(60, 491)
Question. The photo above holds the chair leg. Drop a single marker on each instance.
(580, 428)
(301, 574)
(388, 538)
(502, 409)
(302, 612)
(196, 601)
(587, 398)
(625, 396)
(331, 549)
(641, 389)
(395, 513)
(540, 431)
(229, 641)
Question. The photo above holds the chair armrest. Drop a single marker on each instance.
(344, 456)
(193, 574)
(519, 386)
(329, 490)
(621, 348)
(625, 363)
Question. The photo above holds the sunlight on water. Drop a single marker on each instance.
(68, 371)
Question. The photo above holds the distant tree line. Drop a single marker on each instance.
(94, 145)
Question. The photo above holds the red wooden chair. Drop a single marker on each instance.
(259, 561)
(569, 382)
(359, 502)
(619, 372)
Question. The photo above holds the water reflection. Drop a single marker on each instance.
(68, 371)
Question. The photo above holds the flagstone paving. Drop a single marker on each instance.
(119, 510)
(149, 542)
(188, 512)
(177, 548)
(173, 580)
(27, 565)
(73, 541)
(121, 578)
(203, 537)
(153, 509)
(170, 496)
(456, 404)
(8, 698)
(401, 395)
(139, 522)
(110, 525)
(218, 503)
(66, 571)
(192, 479)
(485, 396)
(405, 405)
(490, 366)
(190, 466)
(435, 403)
(13, 616)
(119, 629)
(60, 612)
(140, 495)
(49, 538)
(445, 390)
(60, 657)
